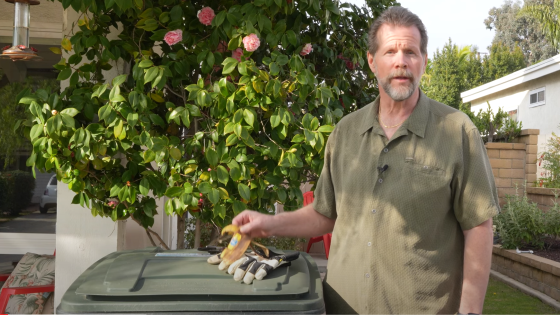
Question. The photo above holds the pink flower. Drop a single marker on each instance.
(206, 15)
(112, 204)
(173, 37)
(251, 42)
(307, 49)
(209, 170)
(236, 54)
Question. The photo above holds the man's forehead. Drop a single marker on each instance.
(392, 32)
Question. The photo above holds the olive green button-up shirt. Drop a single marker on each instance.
(401, 206)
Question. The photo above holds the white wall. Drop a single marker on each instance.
(46, 23)
(81, 240)
(546, 118)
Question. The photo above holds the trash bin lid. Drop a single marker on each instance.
(149, 282)
(186, 273)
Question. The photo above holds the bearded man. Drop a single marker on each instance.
(407, 190)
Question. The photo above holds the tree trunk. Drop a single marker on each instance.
(181, 227)
(197, 234)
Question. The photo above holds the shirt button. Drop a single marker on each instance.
(368, 243)
(367, 275)
(373, 211)
(380, 180)
(385, 150)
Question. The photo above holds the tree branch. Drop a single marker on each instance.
(153, 232)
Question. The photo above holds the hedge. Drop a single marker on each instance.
(16, 191)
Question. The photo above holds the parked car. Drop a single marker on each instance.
(48, 199)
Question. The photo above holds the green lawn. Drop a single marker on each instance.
(503, 299)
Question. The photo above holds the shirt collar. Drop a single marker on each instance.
(416, 122)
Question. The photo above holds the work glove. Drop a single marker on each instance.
(217, 250)
(253, 267)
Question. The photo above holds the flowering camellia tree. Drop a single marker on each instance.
(226, 106)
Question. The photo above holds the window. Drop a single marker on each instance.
(537, 97)
(54, 182)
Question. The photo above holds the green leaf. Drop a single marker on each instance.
(175, 153)
(274, 69)
(314, 124)
(231, 140)
(275, 120)
(36, 131)
(244, 191)
(144, 186)
(238, 207)
(249, 116)
(205, 187)
(174, 192)
(70, 112)
(212, 157)
(234, 170)
(132, 119)
(118, 129)
(214, 196)
(145, 64)
(326, 128)
(219, 19)
(149, 156)
(118, 80)
(298, 138)
(291, 37)
(210, 59)
(223, 175)
(151, 74)
(157, 120)
(64, 74)
(219, 211)
(68, 121)
(229, 65)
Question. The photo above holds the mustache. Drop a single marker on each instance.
(401, 73)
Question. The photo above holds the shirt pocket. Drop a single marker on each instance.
(425, 168)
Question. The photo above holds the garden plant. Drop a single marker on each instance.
(223, 105)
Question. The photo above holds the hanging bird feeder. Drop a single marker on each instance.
(20, 49)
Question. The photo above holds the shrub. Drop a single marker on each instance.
(283, 243)
(205, 232)
(510, 131)
(520, 223)
(17, 192)
(550, 162)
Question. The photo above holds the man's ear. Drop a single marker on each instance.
(371, 63)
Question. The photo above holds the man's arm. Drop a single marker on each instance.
(305, 222)
(476, 267)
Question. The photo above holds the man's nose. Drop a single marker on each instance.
(401, 61)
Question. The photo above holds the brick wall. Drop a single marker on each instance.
(536, 272)
(543, 197)
(513, 164)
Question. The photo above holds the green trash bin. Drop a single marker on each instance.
(151, 281)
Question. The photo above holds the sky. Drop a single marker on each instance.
(460, 20)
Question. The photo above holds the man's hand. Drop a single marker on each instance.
(476, 269)
(305, 222)
(254, 224)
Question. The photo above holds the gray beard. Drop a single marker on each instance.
(400, 94)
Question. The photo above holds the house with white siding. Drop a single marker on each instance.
(531, 95)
